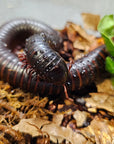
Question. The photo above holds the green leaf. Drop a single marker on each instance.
(106, 28)
(109, 65)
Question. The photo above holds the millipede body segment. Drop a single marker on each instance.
(86, 69)
(48, 71)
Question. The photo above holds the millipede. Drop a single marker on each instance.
(47, 72)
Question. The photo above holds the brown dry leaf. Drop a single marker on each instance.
(98, 42)
(100, 101)
(91, 21)
(106, 87)
(81, 44)
(80, 117)
(57, 118)
(81, 40)
(71, 33)
(77, 54)
(100, 131)
(32, 126)
(82, 32)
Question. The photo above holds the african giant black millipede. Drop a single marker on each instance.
(15, 33)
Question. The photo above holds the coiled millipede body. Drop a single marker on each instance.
(86, 69)
(48, 72)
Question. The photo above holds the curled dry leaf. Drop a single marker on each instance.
(100, 101)
(92, 128)
(100, 131)
(57, 118)
(81, 44)
(80, 117)
(81, 40)
(56, 133)
(81, 32)
(91, 21)
(77, 54)
(106, 87)
(71, 32)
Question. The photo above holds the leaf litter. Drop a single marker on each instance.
(28, 118)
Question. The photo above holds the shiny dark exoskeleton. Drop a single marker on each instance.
(15, 33)
(86, 69)
(48, 63)
(51, 71)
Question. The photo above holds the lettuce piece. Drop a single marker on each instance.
(109, 65)
(106, 28)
